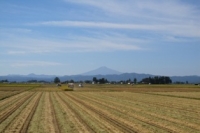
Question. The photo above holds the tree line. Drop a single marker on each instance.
(100, 81)
(149, 80)
(4, 81)
(157, 80)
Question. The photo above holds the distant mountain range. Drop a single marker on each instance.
(102, 72)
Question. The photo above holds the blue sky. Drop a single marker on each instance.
(67, 37)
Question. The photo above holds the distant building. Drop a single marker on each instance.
(71, 85)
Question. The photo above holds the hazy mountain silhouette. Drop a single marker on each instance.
(102, 71)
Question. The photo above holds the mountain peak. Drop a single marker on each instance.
(102, 71)
(103, 67)
(31, 74)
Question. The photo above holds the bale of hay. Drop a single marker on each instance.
(66, 88)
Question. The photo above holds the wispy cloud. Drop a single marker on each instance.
(110, 6)
(90, 24)
(33, 64)
(12, 52)
(81, 45)
(175, 29)
(92, 42)
(172, 17)
(15, 30)
(153, 8)
(31, 39)
(10, 32)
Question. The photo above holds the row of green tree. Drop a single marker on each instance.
(157, 80)
(100, 81)
(4, 81)
(149, 80)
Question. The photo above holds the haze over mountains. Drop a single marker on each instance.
(102, 72)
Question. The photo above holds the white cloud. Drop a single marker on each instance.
(144, 8)
(172, 17)
(188, 30)
(152, 17)
(90, 24)
(91, 42)
(128, 27)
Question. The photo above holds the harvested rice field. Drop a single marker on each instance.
(123, 109)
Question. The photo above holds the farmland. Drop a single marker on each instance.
(100, 108)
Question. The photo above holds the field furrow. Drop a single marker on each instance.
(123, 125)
(164, 123)
(84, 124)
(26, 124)
(9, 110)
(21, 122)
(95, 119)
(99, 108)
(134, 99)
(15, 114)
(53, 115)
(37, 122)
(180, 104)
(68, 122)
(139, 111)
(8, 101)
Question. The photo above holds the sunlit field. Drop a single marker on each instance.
(47, 108)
